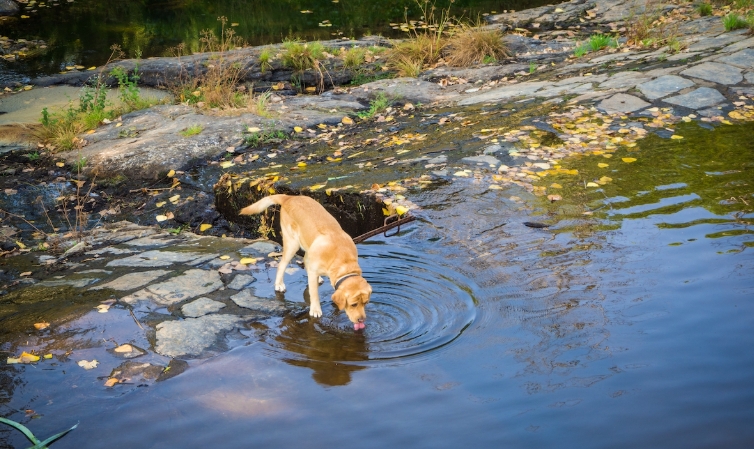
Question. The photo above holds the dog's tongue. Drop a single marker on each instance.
(358, 326)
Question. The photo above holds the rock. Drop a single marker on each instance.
(156, 258)
(200, 307)
(246, 300)
(543, 17)
(192, 283)
(556, 91)
(127, 351)
(664, 86)
(262, 248)
(715, 72)
(624, 80)
(136, 372)
(132, 281)
(697, 99)
(75, 283)
(192, 336)
(707, 43)
(406, 89)
(8, 8)
(484, 159)
(504, 93)
(622, 103)
(240, 281)
(743, 58)
(153, 240)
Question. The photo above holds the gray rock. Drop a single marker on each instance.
(504, 93)
(200, 307)
(155, 258)
(740, 45)
(192, 336)
(622, 103)
(406, 89)
(749, 77)
(697, 99)
(484, 159)
(132, 281)
(76, 283)
(743, 59)
(8, 7)
(706, 43)
(153, 240)
(664, 86)
(136, 372)
(715, 72)
(441, 159)
(246, 300)
(624, 80)
(261, 248)
(190, 284)
(567, 89)
(241, 281)
(492, 149)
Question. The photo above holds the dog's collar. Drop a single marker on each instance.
(343, 278)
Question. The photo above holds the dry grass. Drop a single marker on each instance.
(652, 29)
(473, 45)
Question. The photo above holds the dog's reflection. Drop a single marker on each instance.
(327, 348)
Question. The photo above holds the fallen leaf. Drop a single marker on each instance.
(227, 164)
(88, 365)
(628, 159)
(554, 198)
(171, 173)
(224, 257)
(111, 381)
(253, 129)
(248, 261)
(401, 210)
(160, 204)
(174, 199)
(60, 164)
(592, 184)
(103, 308)
(124, 348)
(204, 227)
(676, 137)
(347, 121)
(42, 325)
(555, 185)
(22, 246)
(603, 165)
(298, 129)
(160, 218)
(25, 273)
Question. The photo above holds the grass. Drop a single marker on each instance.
(354, 57)
(704, 9)
(302, 56)
(649, 30)
(580, 50)
(599, 41)
(28, 434)
(734, 21)
(425, 43)
(192, 130)
(532, 67)
(473, 45)
(360, 78)
(378, 104)
(265, 60)
(258, 138)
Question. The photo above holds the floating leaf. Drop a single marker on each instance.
(111, 382)
(28, 358)
(42, 325)
(124, 348)
(204, 227)
(227, 164)
(592, 184)
(603, 165)
(554, 198)
(555, 185)
(248, 261)
(628, 160)
(88, 365)
(174, 199)
(676, 137)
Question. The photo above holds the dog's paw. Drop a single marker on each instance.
(320, 280)
(316, 312)
(280, 288)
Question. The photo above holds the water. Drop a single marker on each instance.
(627, 328)
(81, 32)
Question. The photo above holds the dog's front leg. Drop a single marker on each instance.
(288, 252)
(315, 308)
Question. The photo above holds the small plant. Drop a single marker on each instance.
(580, 50)
(265, 58)
(426, 42)
(258, 138)
(354, 57)
(473, 45)
(599, 41)
(192, 130)
(378, 104)
(733, 21)
(27, 433)
(675, 45)
(532, 67)
(302, 56)
(33, 156)
(704, 9)
(489, 59)
(79, 164)
(360, 78)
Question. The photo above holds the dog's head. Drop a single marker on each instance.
(352, 295)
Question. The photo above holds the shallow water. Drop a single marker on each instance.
(628, 328)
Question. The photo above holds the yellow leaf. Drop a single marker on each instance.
(629, 159)
(386, 212)
(311, 89)
(60, 164)
(316, 187)
(301, 164)
(28, 358)
(495, 187)
(606, 179)
(736, 115)
(632, 144)
(555, 185)
(20, 245)
(676, 137)
(298, 129)
(602, 165)
(253, 129)
(347, 121)
(271, 190)
(461, 174)
(592, 184)
(160, 204)
(42, 325)
(204, 227)
(248, 261)
(227, 164)
(91, 131)
(171, 173)
(48, 356)
(726, 122)
(111, 381)
(224, 257)
(160, 218)
(174, 199)
(400, 210)
(322, 126)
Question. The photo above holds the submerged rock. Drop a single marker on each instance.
(192, 336)
(200, 307)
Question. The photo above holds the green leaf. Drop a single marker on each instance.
(43, 444)
(22, 428)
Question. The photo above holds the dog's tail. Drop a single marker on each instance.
(262, 204)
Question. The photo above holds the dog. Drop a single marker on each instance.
(329, 251)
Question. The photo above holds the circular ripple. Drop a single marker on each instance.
(417, 307)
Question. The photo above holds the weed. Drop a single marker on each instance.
(704, 9)
(423, 47)
(733, 21)
(354, 57)
(192, 130)
(407, 66)
(675, 45)
(378, 104)
(302, 56)
(33, 156)
(489, 60)
(265, 58)
(27, 433)
(268, 136)
(599, 41)
(532, 67)
(649, 30)
(580, 50)
(79, 164)
(360, 78)
(473, 45)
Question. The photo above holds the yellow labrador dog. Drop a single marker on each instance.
(329, 250)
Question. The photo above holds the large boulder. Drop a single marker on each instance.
(8, 7)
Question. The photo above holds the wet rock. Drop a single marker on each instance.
(715, 72)
(544, 17)
(504, 93)
(241, 281)
(697, 99)
(201, 210)
(271, 307)
(153, 241)
(127, 351)
(8, 8)
(743, 58)
(261, 248)
(200, 307)
(75, 283)
(622, 103)
(404, 89)
(133, 281)
(136, 372)
(556, 91)
(156, 258)
(707, 43)
(484, 159)
(664, 86)
(190, 284)
(192, 336)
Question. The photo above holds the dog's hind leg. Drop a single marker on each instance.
(315, 308)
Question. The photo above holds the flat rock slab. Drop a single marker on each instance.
(246, 300)
(505, 93)
(743, 59)
(262, 248)
(241, 281)
(566, 89)
(664, 86)
(705, 43)
(622, 103)
(697, 99)
(192, 336)
(406, 89)
(715, 72)
(186, 286)
(75, 283)
(200, 307)
(153, 240)
(157, 258)
(133, 281)
(624, 80)
(484, 159)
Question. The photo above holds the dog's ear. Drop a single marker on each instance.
(339, 299)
